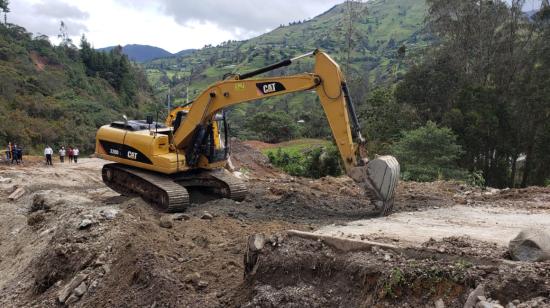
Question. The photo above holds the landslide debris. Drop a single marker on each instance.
(123, 257)
(296, 272)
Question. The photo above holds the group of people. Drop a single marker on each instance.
(14, 153)
(71, 152)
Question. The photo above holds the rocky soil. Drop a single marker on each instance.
(69, 240)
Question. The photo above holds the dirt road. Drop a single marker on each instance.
(487, 223)
(68, 228)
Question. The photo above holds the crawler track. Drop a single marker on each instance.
(162, 192)
(221, 182)
(169, 193)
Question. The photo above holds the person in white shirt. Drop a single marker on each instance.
(48, 152)
(75, 154)
(62, 153)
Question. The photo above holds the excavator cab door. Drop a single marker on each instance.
(210, 141)
(219, 148)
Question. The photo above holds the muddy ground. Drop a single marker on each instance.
(68, 230)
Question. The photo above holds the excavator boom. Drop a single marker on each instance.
(378, 177)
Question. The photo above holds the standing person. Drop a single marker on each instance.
(8, 152)
(62, 153)
(75, 154)
(19, 154)
(70, 153)
(14, 157)
(48, 153)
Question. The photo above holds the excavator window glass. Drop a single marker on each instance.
(135, 125)
(180, 117)
(218, 138)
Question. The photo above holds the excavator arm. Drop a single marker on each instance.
(378, 177)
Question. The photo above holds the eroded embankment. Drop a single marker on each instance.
(293, 271)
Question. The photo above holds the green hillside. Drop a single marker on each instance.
(59, 95)
(382, 28)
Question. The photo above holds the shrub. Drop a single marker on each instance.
(429, 153)
(273, 127)
(314, 163)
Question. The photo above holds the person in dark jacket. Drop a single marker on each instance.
(19, 154)
(14, 157)
(70, 154)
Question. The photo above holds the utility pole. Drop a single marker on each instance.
(169, 107)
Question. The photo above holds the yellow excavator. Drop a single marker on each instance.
(168, 164)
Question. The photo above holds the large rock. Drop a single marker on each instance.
(81, 289)
(46, 200)
(181, 216)
(66, 291)
(192, 278)
(207, 216)
(109, 214)
(474, 296)
(85, 223)
(166, 221)
(530, 245)
(40, 202)
(18, 193)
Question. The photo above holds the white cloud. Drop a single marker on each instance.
(241, 15)
(45, 17)
(169, 24)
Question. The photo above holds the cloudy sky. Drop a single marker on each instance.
(170, 24)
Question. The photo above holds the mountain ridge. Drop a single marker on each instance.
(143, 53)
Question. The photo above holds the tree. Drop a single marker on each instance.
(429, 153)
(480, 81)
(385, 119)
(272, 127)
(63, 35)
(4, 5)
(354, 10)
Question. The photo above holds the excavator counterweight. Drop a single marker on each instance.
(163, 162)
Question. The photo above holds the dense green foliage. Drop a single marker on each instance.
(385, 119)
(429, 153)
(59, 94)
(314, 162)
(488, 82)
(272, 127)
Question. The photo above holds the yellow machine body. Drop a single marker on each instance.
(191, 138)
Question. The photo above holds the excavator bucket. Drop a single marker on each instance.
(379, 179)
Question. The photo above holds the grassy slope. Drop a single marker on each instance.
(387, 25)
